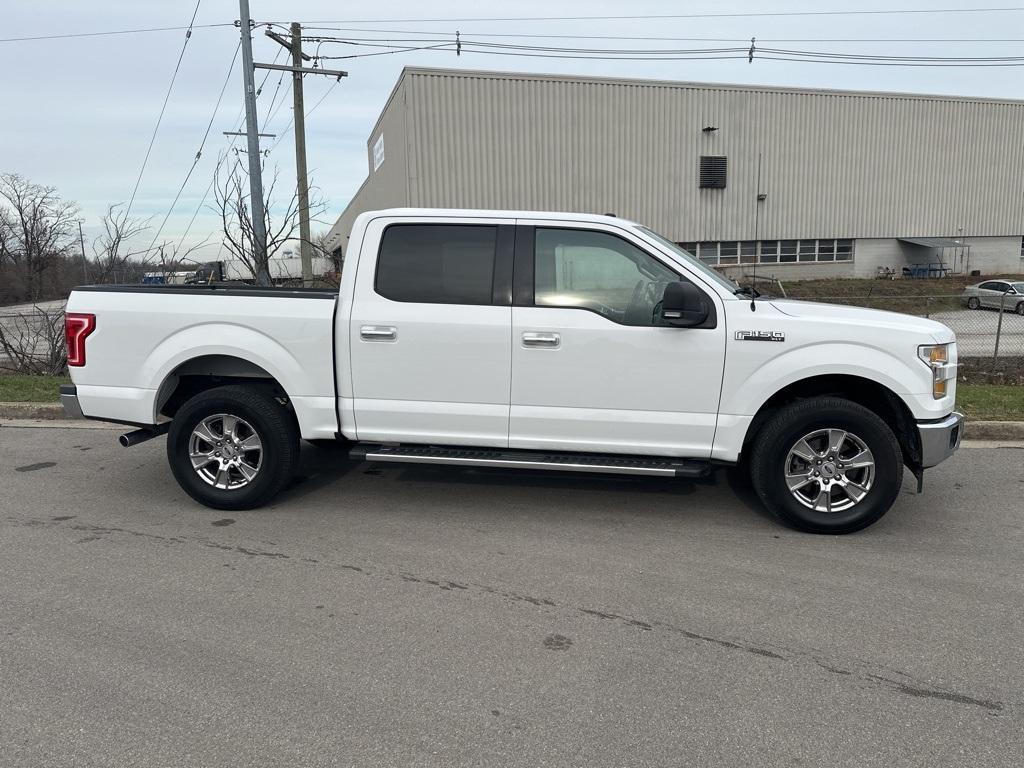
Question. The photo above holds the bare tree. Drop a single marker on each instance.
(32, 341)
(111, 257)
(168, 258)
(36, 230)
(232, 203)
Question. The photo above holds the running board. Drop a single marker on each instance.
(520, 459)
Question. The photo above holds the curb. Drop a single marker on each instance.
(994, 430)
(33, 411)
(975, 430)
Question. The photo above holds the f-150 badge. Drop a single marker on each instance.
(760, 336)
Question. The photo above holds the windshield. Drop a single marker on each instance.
(690, 259)
(1018, 287)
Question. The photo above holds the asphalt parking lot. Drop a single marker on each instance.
(976, 331)
(382, 615)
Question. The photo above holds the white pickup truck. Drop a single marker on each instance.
(541, 341)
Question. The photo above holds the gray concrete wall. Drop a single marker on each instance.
(995, 255)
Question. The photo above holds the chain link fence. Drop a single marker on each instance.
(32, 339)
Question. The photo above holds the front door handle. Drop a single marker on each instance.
(378, 333)
(534, 339)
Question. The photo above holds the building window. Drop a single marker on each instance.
(712, 171)
(748, 252)
(729, 252)
(708, 252)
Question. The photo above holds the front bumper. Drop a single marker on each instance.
(940, 439)
(69, 399)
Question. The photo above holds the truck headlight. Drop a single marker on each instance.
(936, 357)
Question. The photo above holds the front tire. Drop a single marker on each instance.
(826, 465)
(233, 447)
(1020, 309)
(974, 303)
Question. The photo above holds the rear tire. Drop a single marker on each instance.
(233, 447)
(851, 474)
(974, 303)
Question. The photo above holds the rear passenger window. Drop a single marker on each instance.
(437, 263)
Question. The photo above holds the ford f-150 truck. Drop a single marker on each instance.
(540, 341)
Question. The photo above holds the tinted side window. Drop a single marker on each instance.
(437, 263)
(581, 269)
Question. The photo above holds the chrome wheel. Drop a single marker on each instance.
(829, 470)
(226, 452)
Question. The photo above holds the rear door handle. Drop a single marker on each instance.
(378, 333)
(544, 340)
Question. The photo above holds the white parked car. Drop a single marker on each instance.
(539, 341)
(994, 294)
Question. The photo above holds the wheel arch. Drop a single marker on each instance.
(871, 394)
(204, 372)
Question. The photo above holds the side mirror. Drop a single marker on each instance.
(683, 305)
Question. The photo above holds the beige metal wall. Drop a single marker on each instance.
(832, 164)
(388, 185)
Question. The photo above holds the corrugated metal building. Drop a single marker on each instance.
(802, 183)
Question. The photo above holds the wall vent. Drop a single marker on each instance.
(712, 171)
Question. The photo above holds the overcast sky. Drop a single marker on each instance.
(80, 111)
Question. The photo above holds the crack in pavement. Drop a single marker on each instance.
(866, 674)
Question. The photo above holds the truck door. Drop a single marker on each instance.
(593, 366)
(430, 332)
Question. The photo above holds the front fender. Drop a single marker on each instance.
(747, 390)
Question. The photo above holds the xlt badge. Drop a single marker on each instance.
(760, 336)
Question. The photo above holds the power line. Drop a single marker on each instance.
(199, 153)
(309, 112)
(163, 108)
(223, 157)
(527, 35)
(469, 46)
(113, 32)
(749, 14)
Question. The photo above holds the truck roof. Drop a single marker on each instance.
(476, 213)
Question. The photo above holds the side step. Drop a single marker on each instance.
(520, 459)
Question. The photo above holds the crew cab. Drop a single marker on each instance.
(540, 341)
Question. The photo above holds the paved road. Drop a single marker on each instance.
(379, 615)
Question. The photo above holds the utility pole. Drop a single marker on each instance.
(305, 250)
(294, 46)
(85, 261)
(257, 214)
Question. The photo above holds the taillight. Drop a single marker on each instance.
(77, 326)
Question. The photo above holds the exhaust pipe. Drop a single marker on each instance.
(128, 439)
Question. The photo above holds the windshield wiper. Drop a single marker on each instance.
(746, 290)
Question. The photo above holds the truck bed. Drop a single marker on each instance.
(148, 336)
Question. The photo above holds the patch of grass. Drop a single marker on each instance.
(17, 388)
(990, 402)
